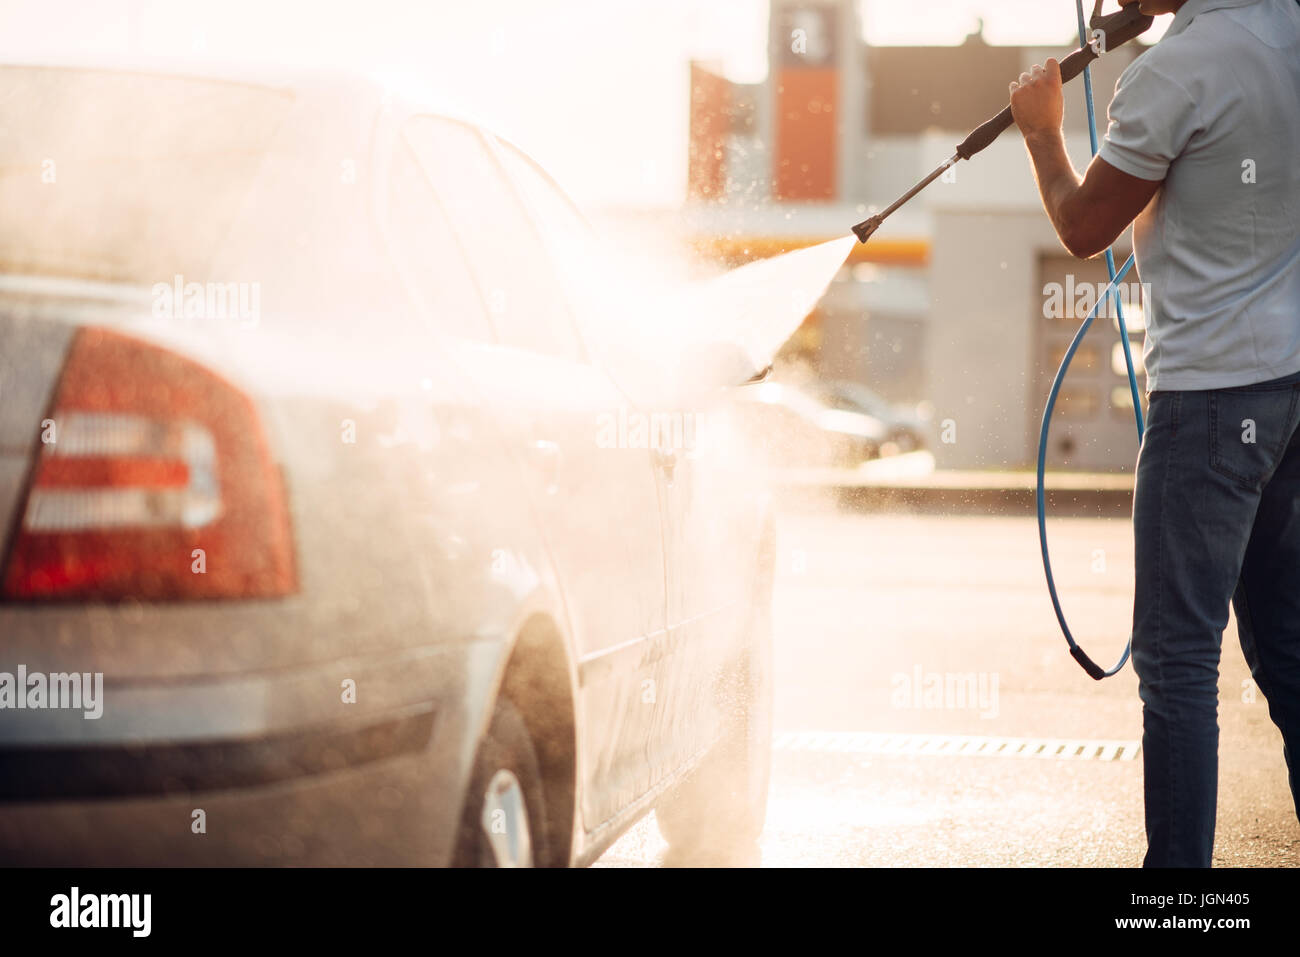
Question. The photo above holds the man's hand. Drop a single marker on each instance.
(1088, 214)
(1037, 102)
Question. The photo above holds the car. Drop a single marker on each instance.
(905, 427)
(791, 428)
(307, 457)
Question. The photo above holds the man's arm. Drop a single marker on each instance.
(1088, 214)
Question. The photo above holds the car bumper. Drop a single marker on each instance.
(253, 770)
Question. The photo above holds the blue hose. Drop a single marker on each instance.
(1088, 665)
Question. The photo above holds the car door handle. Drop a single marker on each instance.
(666, 459)
(548, 461)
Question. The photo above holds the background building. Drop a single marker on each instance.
(946, 304)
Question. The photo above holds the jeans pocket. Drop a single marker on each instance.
(1249, 428)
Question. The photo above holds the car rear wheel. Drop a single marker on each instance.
(502, 824)
(716, 815)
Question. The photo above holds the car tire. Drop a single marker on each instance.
(503, 820)
(715, 816)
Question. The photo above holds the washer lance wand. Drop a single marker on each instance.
(1108, 33)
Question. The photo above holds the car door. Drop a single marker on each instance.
(597, 501)
(709, 518)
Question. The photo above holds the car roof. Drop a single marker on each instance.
(306, 80)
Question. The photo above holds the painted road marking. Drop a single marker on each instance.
(957, 745)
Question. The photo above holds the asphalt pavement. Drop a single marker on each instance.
(929, 714)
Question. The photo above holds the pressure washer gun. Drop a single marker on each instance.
(1107, 33)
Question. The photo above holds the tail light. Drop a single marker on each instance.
(154, 481)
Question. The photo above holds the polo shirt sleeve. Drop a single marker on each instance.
(1152, 119)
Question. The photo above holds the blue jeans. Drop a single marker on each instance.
(1216, 516)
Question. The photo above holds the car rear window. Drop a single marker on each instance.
(125, 177)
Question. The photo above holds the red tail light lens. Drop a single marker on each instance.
(155, 481)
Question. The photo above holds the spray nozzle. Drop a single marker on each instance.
(864, 229)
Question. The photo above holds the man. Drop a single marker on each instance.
(1203, 157)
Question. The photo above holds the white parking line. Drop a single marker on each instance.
(957, 745)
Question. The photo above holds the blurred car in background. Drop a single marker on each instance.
(905, 428)
(791, 428)
(302, 449)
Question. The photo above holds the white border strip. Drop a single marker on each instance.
(957, 745)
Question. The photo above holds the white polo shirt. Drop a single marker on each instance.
(1213, 109)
